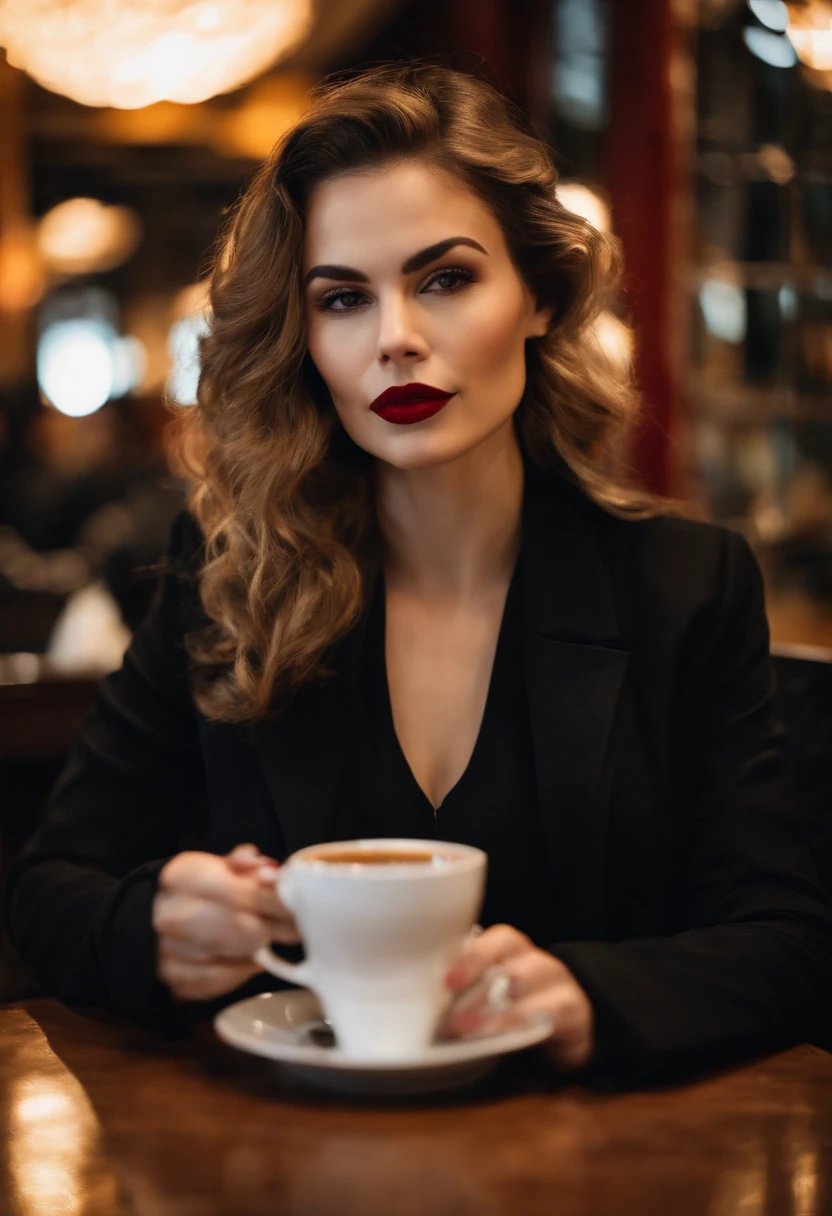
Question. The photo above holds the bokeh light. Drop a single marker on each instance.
(76, 365)
(774, 49)
(724, 310)
(810, 32)
(583, 201)
(771, 13)
(184, 351)
(138, 52)
(83, 235)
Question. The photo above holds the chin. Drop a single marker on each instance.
(439, 441)
(425, 451)
(420, 460)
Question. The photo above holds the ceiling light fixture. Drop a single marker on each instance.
(136, 52)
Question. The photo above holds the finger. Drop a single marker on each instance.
(531, 971)
(183, 949)
(283, 931)
(244, 854)
(172, 910)
(478, 1020)
(192, 981)
(212, 879)
(208, 949)
(495, 945)
(267, 873)
(266, 901)
(523, 974)
(568, 1054)
(200, 874)
(245, 859)
(545, 1000)
(209, 930)
(571, 1043)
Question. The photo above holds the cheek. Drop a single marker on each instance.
(337, 352)
(492, 341)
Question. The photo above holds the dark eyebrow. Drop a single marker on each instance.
(417, 261)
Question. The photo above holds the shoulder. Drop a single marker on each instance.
(675, 542)
(672, 562)
(664, 545)
(692, 554)
(686, 578)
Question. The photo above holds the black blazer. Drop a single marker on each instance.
(694, 919)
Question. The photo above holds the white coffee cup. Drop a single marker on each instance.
(379, 937)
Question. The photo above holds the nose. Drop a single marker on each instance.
(400, 337)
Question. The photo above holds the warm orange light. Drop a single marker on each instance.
(190, 300)
(585, 202)
(810, 33)
(82, 235)
(52, 1148)
(249, 128)
(614, 338)
(22, 280)
(138, 52)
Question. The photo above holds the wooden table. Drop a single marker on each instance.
(100, 1119)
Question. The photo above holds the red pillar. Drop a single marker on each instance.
(643, 171)
(515, 40)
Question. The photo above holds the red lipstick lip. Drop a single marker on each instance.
(408, 403)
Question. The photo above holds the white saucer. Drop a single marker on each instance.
(277, 1025)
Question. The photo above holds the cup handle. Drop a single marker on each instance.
(295, 973)
(264, 956)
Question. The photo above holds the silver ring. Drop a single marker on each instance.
(498, 993)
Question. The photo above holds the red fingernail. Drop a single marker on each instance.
(455, 977)
(267, 872)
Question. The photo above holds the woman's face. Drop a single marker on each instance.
(408, 281)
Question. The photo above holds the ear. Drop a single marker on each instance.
(541, 322)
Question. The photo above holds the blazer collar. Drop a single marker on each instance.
(574, 673)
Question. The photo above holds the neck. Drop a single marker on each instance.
(454, 529)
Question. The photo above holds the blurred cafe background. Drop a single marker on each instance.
(699, 131)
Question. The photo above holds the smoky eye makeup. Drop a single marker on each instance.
(353, 297)
(326, 302)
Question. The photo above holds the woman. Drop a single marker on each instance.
(410, 599)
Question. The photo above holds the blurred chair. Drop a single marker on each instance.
(804, 705)
(39, 715)
(27, 618)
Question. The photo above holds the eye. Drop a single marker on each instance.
(449, 279)
(347, 296)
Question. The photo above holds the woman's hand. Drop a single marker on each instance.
(539, 983)
(210, 914)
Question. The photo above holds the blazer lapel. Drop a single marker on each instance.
(303, 752)
(575, 668)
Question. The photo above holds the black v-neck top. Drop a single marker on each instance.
(494, 804)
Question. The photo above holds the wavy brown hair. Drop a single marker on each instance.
(283, 497)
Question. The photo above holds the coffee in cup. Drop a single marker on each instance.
(377, 857)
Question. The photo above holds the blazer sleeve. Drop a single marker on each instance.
(752, 968)
(80, 895)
